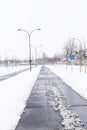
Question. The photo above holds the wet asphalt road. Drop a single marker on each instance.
(39, 113)
(7, 76)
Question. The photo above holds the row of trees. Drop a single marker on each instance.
(72, 46)
(78, 48)
(13, 62)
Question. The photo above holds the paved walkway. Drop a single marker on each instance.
(39, 113)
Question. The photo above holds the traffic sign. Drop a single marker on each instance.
(72, 57)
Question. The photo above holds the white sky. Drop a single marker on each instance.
(58, 19)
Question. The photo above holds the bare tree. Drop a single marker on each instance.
(84, 54)
(72, 46)
(81, 54)
(69, 48)
(66, 51)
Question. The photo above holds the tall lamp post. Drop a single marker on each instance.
(29, 35)
(79, 52)
(36, 47)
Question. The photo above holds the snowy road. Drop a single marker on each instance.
(49, 99)
(6, 76)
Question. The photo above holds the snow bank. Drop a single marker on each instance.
(9, 69)
(73, 77)
(13, 95)
(70, 119)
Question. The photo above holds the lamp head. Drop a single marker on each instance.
(38, 29)
(19, 29)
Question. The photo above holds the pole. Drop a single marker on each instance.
(80, 51)
(36, 47)
(29, 34)
(29, 52)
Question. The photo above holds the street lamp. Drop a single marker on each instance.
(36, 47)
(29, 35)
(79, 51)
(77, 39)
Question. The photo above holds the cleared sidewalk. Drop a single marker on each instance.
(40, 113)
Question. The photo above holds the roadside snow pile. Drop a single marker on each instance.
(71, 120)
(14, 93)
(8, 69)
(72, 77)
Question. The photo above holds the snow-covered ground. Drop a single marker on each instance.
(13, 95)
(72, 76)
(15, 91)
(70, 119)
(9, 69)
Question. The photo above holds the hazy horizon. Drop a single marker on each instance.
(59, 20)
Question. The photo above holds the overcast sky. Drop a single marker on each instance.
(58, 19)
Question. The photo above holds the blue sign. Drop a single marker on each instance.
(59, 59)
(72, 57)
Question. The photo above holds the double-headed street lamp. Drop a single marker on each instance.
(29, 35)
